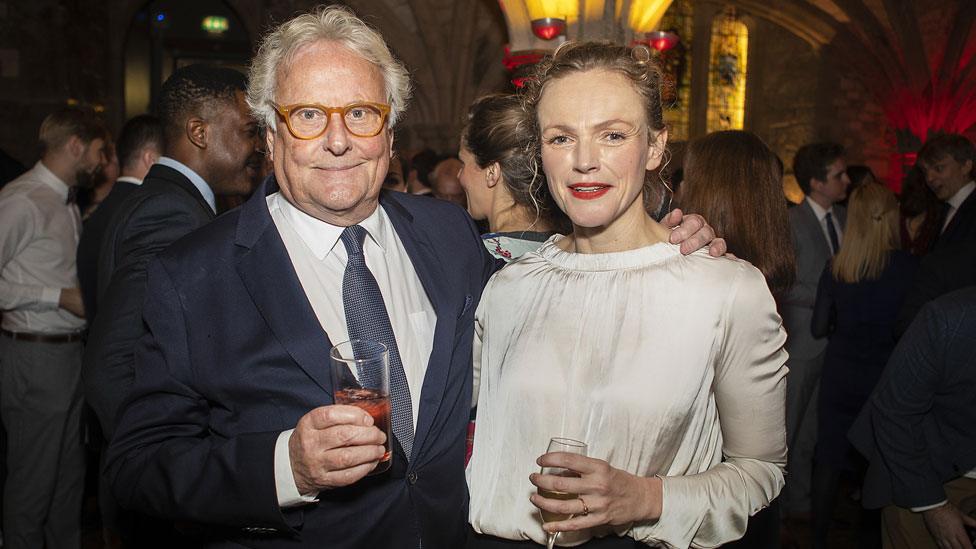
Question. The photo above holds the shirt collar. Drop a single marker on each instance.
(194, 178)
(818, 209)
(129, 179)
(321, 237)
(47, 177)
(961, 195)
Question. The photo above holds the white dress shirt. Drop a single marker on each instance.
(38, 244)
(129, 179)
(956, 201)
(822, 218)
(319, 258)
(579, 346)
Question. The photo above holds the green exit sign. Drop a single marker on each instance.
(215, 24)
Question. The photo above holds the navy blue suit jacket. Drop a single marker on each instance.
(918, 430)
(234, 355)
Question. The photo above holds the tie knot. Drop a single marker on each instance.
(828, 217)
(352, 238)
(72, 195)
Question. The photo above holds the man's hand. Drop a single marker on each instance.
(70, 301)
(693, 233)
(333, 446)
(948, 526)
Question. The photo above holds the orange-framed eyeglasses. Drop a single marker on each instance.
(310, 120)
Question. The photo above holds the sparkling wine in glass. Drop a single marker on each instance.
(559, 444)
(361, 378)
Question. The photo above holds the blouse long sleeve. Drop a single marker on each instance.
(712, 508)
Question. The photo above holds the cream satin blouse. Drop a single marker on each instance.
(664, 364)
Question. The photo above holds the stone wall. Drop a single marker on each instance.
(38, 73)
(781, 97)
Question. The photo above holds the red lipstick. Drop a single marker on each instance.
(589, 191)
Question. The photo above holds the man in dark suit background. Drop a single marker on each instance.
(919, 430)
(139, 145)
(817, 224)
(209, 140)
(947, 162)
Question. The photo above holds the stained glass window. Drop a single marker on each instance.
(727, 72)
(676, 64)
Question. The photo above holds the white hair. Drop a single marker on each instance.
(336, 23)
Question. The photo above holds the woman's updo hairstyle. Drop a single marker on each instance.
(573, 57)
(496, 132)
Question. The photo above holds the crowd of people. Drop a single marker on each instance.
(731, 362)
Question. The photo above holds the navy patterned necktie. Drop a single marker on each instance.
(832, 233)
(366, 318)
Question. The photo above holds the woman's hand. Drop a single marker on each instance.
(606, 495)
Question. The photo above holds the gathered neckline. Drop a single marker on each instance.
(610, 261)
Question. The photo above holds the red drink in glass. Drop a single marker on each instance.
(376, 404)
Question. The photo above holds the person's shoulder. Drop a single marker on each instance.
(957, 304)
(722, 275)
(211, 241)
(424, 207)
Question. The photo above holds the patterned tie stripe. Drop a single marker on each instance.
(366, 318)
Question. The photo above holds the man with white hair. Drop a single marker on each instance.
(231, 422)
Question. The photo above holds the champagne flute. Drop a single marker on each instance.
(559, 444)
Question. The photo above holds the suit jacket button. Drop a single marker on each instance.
(412, 478)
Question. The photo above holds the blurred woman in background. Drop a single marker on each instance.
(735, 182)
(858, 299)
(498, 178)
(920, 212)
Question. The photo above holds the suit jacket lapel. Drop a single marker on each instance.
(270, 278)
(965, 210)
(438, 288)
(816, 229)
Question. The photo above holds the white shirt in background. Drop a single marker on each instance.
(38, 246)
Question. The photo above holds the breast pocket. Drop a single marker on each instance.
(468, 301)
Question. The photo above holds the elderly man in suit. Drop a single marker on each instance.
(919, 430)
(232, 422)
(817, 224)
(947, 162)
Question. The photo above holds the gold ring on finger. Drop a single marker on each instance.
(586, 510)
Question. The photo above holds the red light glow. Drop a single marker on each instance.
(548, 28)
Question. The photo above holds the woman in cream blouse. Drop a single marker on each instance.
(670, 367)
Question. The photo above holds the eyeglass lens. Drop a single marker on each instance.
(362, 120)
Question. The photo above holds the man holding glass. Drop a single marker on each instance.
(232, 422)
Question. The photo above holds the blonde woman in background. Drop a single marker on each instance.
(858, 299)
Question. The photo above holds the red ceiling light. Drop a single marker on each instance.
(662, 41)
(548, 28)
